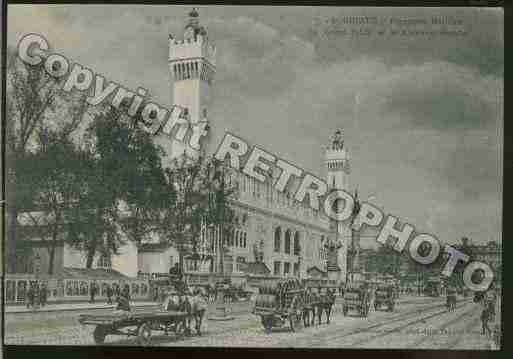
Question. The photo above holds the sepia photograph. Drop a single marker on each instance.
(253, 176)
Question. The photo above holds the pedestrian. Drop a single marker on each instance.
(30, 296)
(155, 294)
(117, 290)
(485, 318)
(109, 294)
(43, 294)
(92, 292)
(491, 309)
(126, 292)
(123, 304)
(36, 296)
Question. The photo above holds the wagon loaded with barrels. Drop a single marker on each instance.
(281, 304)
(385, 296)
(357, 298)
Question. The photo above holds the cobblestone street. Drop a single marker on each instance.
(417, 323)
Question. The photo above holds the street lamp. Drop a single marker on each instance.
(220, 203)
(37, 265)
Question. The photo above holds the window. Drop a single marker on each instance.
(286, 268)
(236, 244)
(277, 268)
(104, 261)
(297, 248)
(245, 238)
(228, 264)
(296, 269)
(287, 241)
(241, 261)
(277, 239)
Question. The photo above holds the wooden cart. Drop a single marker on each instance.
(138, 324)
(385, 297)
(288, 313)
(357, 297)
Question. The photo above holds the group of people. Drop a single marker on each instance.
(37, 295)
(113, 291)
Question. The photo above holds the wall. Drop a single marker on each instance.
(157, 262)
(126, 261)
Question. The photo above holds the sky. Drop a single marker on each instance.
(422, 115)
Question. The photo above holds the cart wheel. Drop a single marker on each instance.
(99, 334)
(267, 323)
(144, 334)
(295, 322)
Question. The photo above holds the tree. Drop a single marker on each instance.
(34, 104)
(60, 180)
(197, 193)
(123, 177)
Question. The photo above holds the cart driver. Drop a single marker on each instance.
(123, 304)
(173, 301)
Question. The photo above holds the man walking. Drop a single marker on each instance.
(109, 294)
(42, 294)
(37, 296)
(92, 291)
(30, 296)
(485, 318)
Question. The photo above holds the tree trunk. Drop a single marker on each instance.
(180, 260)
(91, 251)
(90, 258)
(11, 247)
(51, 254)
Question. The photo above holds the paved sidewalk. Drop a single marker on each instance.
(71, 306)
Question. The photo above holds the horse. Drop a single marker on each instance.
(325, 304)
(195, 306)
(309, 309)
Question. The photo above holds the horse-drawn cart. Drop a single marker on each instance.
(138, 324)
(357, 297)
(385, 296)
(281, 305)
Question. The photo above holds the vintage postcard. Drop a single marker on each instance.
(252, 176)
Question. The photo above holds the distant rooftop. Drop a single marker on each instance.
(92, 273)
(153, 247)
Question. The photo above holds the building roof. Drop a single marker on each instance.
(258, 268)
(315, 269)
(92, 273)
(153, 247)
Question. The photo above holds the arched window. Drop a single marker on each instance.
(277, 239)
(245, 240)
(297, 248)
(287, 241)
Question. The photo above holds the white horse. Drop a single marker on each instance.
(196, 307)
